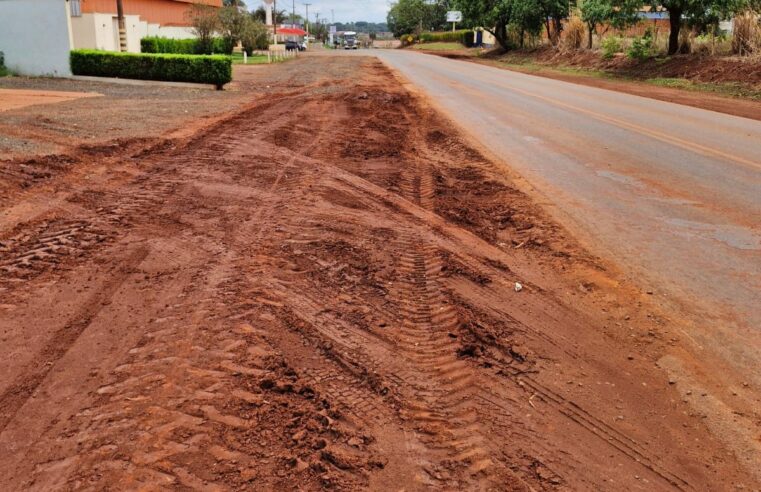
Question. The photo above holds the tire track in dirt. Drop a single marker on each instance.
(330, 323)
(444, 396)
(441, 384)
(26, 255)
(24, 386)
(165, 447)
(418, 186)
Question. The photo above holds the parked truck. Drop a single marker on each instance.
(350, 40)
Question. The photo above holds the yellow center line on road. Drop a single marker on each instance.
(679, 142)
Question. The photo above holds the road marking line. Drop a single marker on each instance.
(685, 144)
(679, 142)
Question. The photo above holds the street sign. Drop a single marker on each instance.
(454, 16)
(333, 29)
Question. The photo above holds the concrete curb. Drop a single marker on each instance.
(158, 83)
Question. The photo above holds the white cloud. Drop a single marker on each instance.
(344, 10)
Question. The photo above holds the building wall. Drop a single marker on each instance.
(163, 12)
(174, 32)
(36, 36)
(101, 32)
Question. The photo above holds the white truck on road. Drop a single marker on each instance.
(350, 40)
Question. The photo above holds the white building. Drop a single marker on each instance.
(36, 35)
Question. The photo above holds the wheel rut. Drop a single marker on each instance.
(440, 384)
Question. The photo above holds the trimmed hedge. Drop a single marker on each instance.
(202, 69)
(155, 44)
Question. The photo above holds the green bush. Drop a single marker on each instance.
(445, 37)
(469, 39)
(641, 48)
(610, 46)
(408, 39)
(3, 70)
(202, 69)
(154, 44)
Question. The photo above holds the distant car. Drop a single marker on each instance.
(292, 46)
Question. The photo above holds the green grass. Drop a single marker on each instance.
(723, 88)
(525, 65)
(252, 60)
(438, 46)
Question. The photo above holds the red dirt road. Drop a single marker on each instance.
(319, 291)
(19, 98)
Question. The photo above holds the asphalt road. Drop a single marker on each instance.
(669, 193)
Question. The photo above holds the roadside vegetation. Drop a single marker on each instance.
(4, 72)
(216, 70)
(221, 30)
(438, 46)
(255, 59)
(705, 45)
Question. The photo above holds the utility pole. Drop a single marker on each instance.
(274, 20)
(122, 26)
(293, 15)
(316, 21)
(332, 16)
(306, 20)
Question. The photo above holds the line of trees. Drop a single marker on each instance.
(361, 26)
(233, 22)
(415, 16)
(510, 20)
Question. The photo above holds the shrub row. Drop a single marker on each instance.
(193, 46)
(202, 69)
(465, 37)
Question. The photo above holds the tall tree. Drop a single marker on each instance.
(491, 15)
(279, 17)
(697, 12)
(205, 22)
(554, 12)
(495, 16)
(232, 23)
(615, 13)
(408, 16)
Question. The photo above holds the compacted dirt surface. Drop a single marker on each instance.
(53, 115)
(327, 288)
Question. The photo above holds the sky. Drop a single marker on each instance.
(345, 10)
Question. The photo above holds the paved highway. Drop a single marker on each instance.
(670, 193)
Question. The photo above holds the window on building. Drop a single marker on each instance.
(76, 8)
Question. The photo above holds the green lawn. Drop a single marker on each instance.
(438, 46)
(252, 60)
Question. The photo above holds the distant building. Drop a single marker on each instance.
(37, 35)
(94, 24)
(289, 33)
